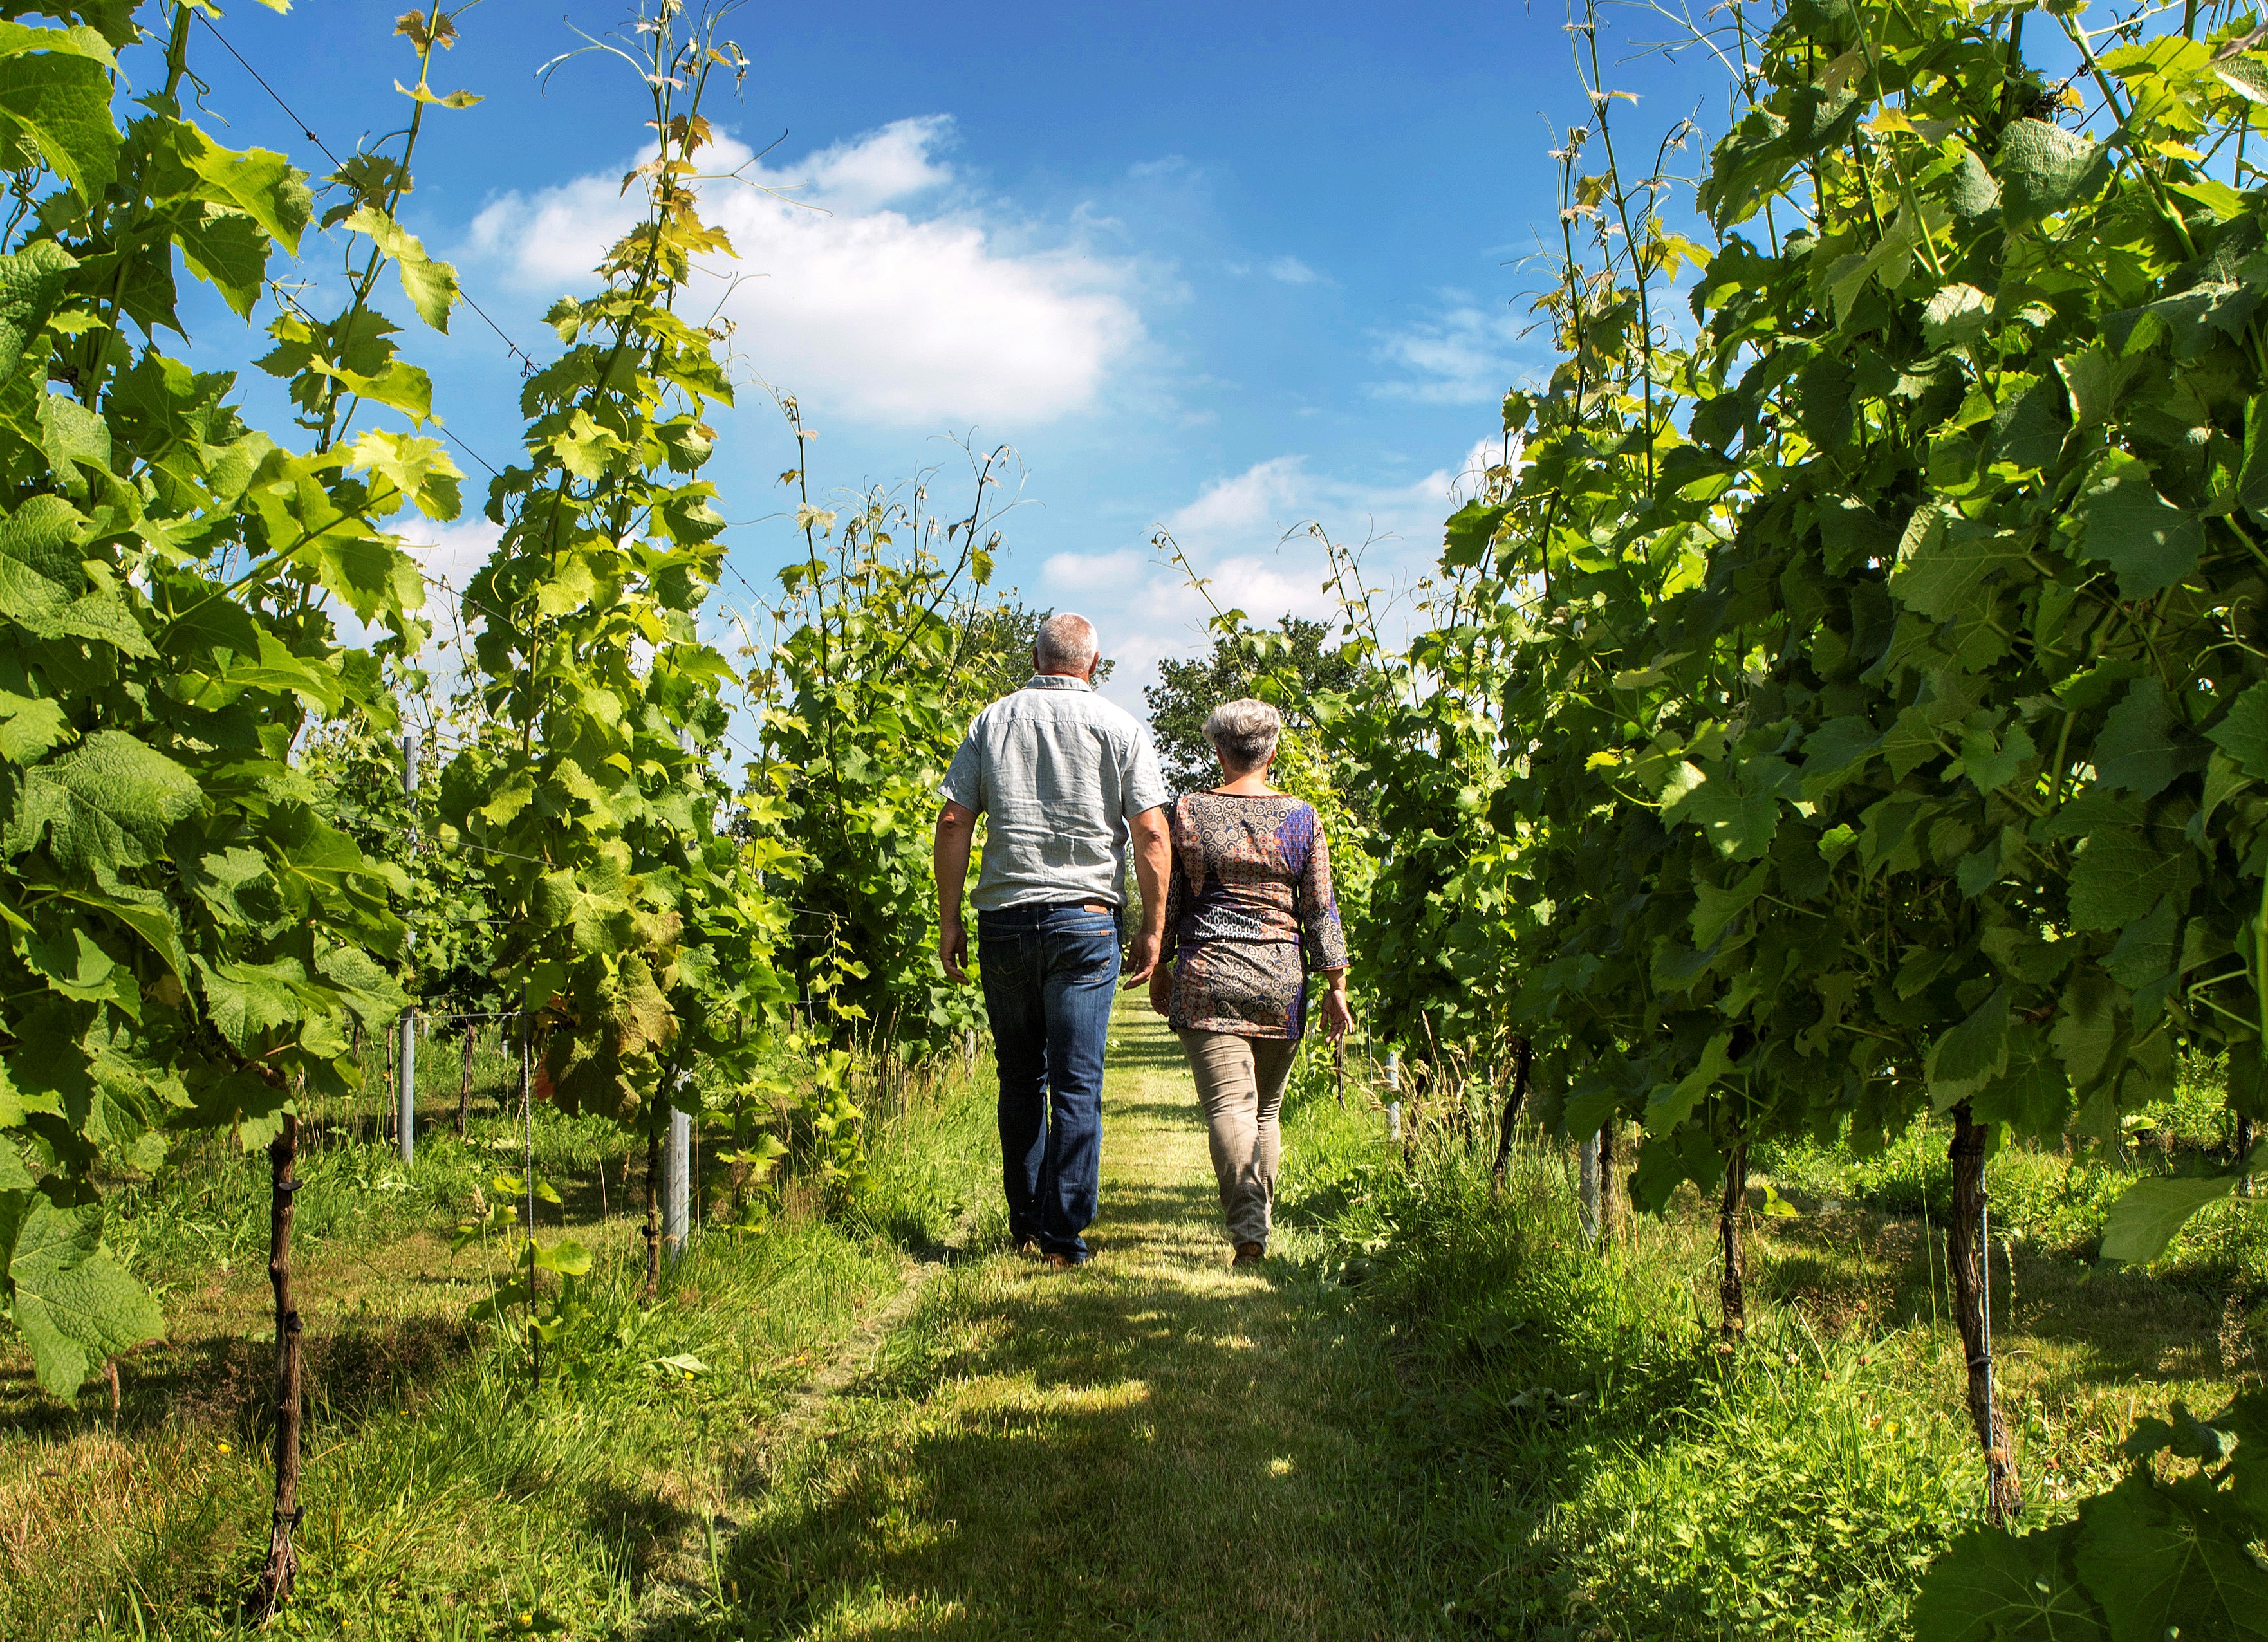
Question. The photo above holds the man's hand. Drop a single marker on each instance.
(1142, 961)
(1153, 869)
(956, 831)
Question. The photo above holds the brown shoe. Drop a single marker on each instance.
(1058, 1261)
(1249, 1253)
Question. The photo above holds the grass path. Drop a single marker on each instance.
(1153, 1445)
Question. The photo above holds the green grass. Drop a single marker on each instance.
(1585, 1461)
(1440, 1411)
(445, 1497)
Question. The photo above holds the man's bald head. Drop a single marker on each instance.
(1065, 643)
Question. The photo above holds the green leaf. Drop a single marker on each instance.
(262, 184)
(403, 386)
(2243, 733)
(2163, 1569)
(1738, 825)
(2118, 877)
(2144, 950)
(420, 468)
(58, 95)
(2124, 521)
(1469, 531)
(1955, 317)
(30, 283)
(566, 1256)
(2253, 475)
(227, 249)
(73, 1303)
(29, 727)
(72, 436)
(1713, 908)
(431, 286)
(453, 100)
(1671, 1104)
(1965, 1058)
(1992, 1585)
(2045, 169)
(586, 449)
(247, 1001)
(2141, 749)
(370, 572)
(105, 802)
(1944, 563)
(2150, 1212)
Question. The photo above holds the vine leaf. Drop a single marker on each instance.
(1469, 531)
(430, 284)
(259, 183)
(1997, 1586)
(2118, 877)
(2161, 1568)
(2243, 733)
(2122, 520)
(56, 90)
(1965, 1058)
(2043, 169)
(2140, 750)
(1945, 563)
(105, 802)
(2150, 1212)
(73, 1303)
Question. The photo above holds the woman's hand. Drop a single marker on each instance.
(1161, 988)
(1338, 1014)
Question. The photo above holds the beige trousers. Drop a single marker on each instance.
(1240, 1087)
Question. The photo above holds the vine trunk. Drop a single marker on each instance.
(282, 1562)
(1523, 1056)
(1964, 1264)
(1732, 1290)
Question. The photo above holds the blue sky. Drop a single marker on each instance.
(1221, 269)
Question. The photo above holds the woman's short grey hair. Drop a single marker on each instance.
(1244, 732)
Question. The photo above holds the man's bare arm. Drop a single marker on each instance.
(956, 831)
(1154, 871)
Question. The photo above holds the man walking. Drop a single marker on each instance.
(1070, 781)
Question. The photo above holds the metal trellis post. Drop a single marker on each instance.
(406, 1063)
(676, 1182)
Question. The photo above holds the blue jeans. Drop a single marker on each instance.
(1051, 976)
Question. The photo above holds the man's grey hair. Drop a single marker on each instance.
(1243, 734)
(1065, 642)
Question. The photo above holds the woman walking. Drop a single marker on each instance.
(1250, 914)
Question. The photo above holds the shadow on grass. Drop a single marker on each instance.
(1097, 1453)
(1861, 1268)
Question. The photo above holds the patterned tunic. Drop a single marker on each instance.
(1251, 877)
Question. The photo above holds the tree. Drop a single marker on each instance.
(1188, 690)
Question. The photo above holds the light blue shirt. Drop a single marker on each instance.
(1061, 773)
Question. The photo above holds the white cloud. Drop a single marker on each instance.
(870, 281)
(1245, 534)
(451, 552)
(1293, 271)
(1462, 353)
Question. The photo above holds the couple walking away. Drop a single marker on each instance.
(1236, 900)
